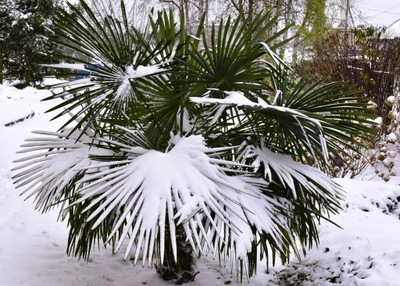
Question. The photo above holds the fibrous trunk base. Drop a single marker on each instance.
(182, 270)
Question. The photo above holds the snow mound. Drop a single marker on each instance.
(363, 251)
(19, 105)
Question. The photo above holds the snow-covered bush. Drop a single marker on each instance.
(388, 146)
(186, 144)
(380, 154)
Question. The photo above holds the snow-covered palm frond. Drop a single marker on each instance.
(290, 173)
(51, 173)
(114, 63)
(338, 108)
(307, 194)
(118, 80)
(307, 128)
(154, 192)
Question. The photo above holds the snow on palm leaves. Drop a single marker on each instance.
(183, 186)
(55, 165)
(126, 179)
(152, 190)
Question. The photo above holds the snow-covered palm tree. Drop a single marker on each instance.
(185, 144)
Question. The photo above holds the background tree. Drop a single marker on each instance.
(28, 39)
(6, 11)
(365, 57)
(310, 18)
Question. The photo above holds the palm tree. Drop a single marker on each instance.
(179, 145)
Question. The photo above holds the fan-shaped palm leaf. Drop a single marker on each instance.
(338, 109)
(182, 186)
(116, 58)
(52, 172)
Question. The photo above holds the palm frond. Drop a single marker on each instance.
(228, 59)
(305, 128)
(182, 186)
(339, 109)
(116, 58)
(52, 173)
(306, 194)
(288, 172)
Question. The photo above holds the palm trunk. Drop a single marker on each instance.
(182, 270)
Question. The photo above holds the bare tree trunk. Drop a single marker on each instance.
(201, 6)
(28, 75)
(287, 12)
(184, 9)
(206, 19)
(295, 50)
(251, 8)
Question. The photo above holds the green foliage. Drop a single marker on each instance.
(5, 19)
(5, 27)
(198, 136)
(27, 39)
(314, 24)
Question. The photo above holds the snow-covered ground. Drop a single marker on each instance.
(364, 251)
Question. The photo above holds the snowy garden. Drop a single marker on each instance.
(166, 154)
(364, 250)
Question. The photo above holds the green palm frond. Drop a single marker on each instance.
(119, 59)
(53, 172)
(307, 130)
(339, 110)
(229, 56)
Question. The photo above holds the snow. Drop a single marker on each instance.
(239, 99)
(392, 137)
(364, 251)
(132, 73)
(16, 108)
(391, 100)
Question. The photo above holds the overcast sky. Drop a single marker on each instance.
(377, 12)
